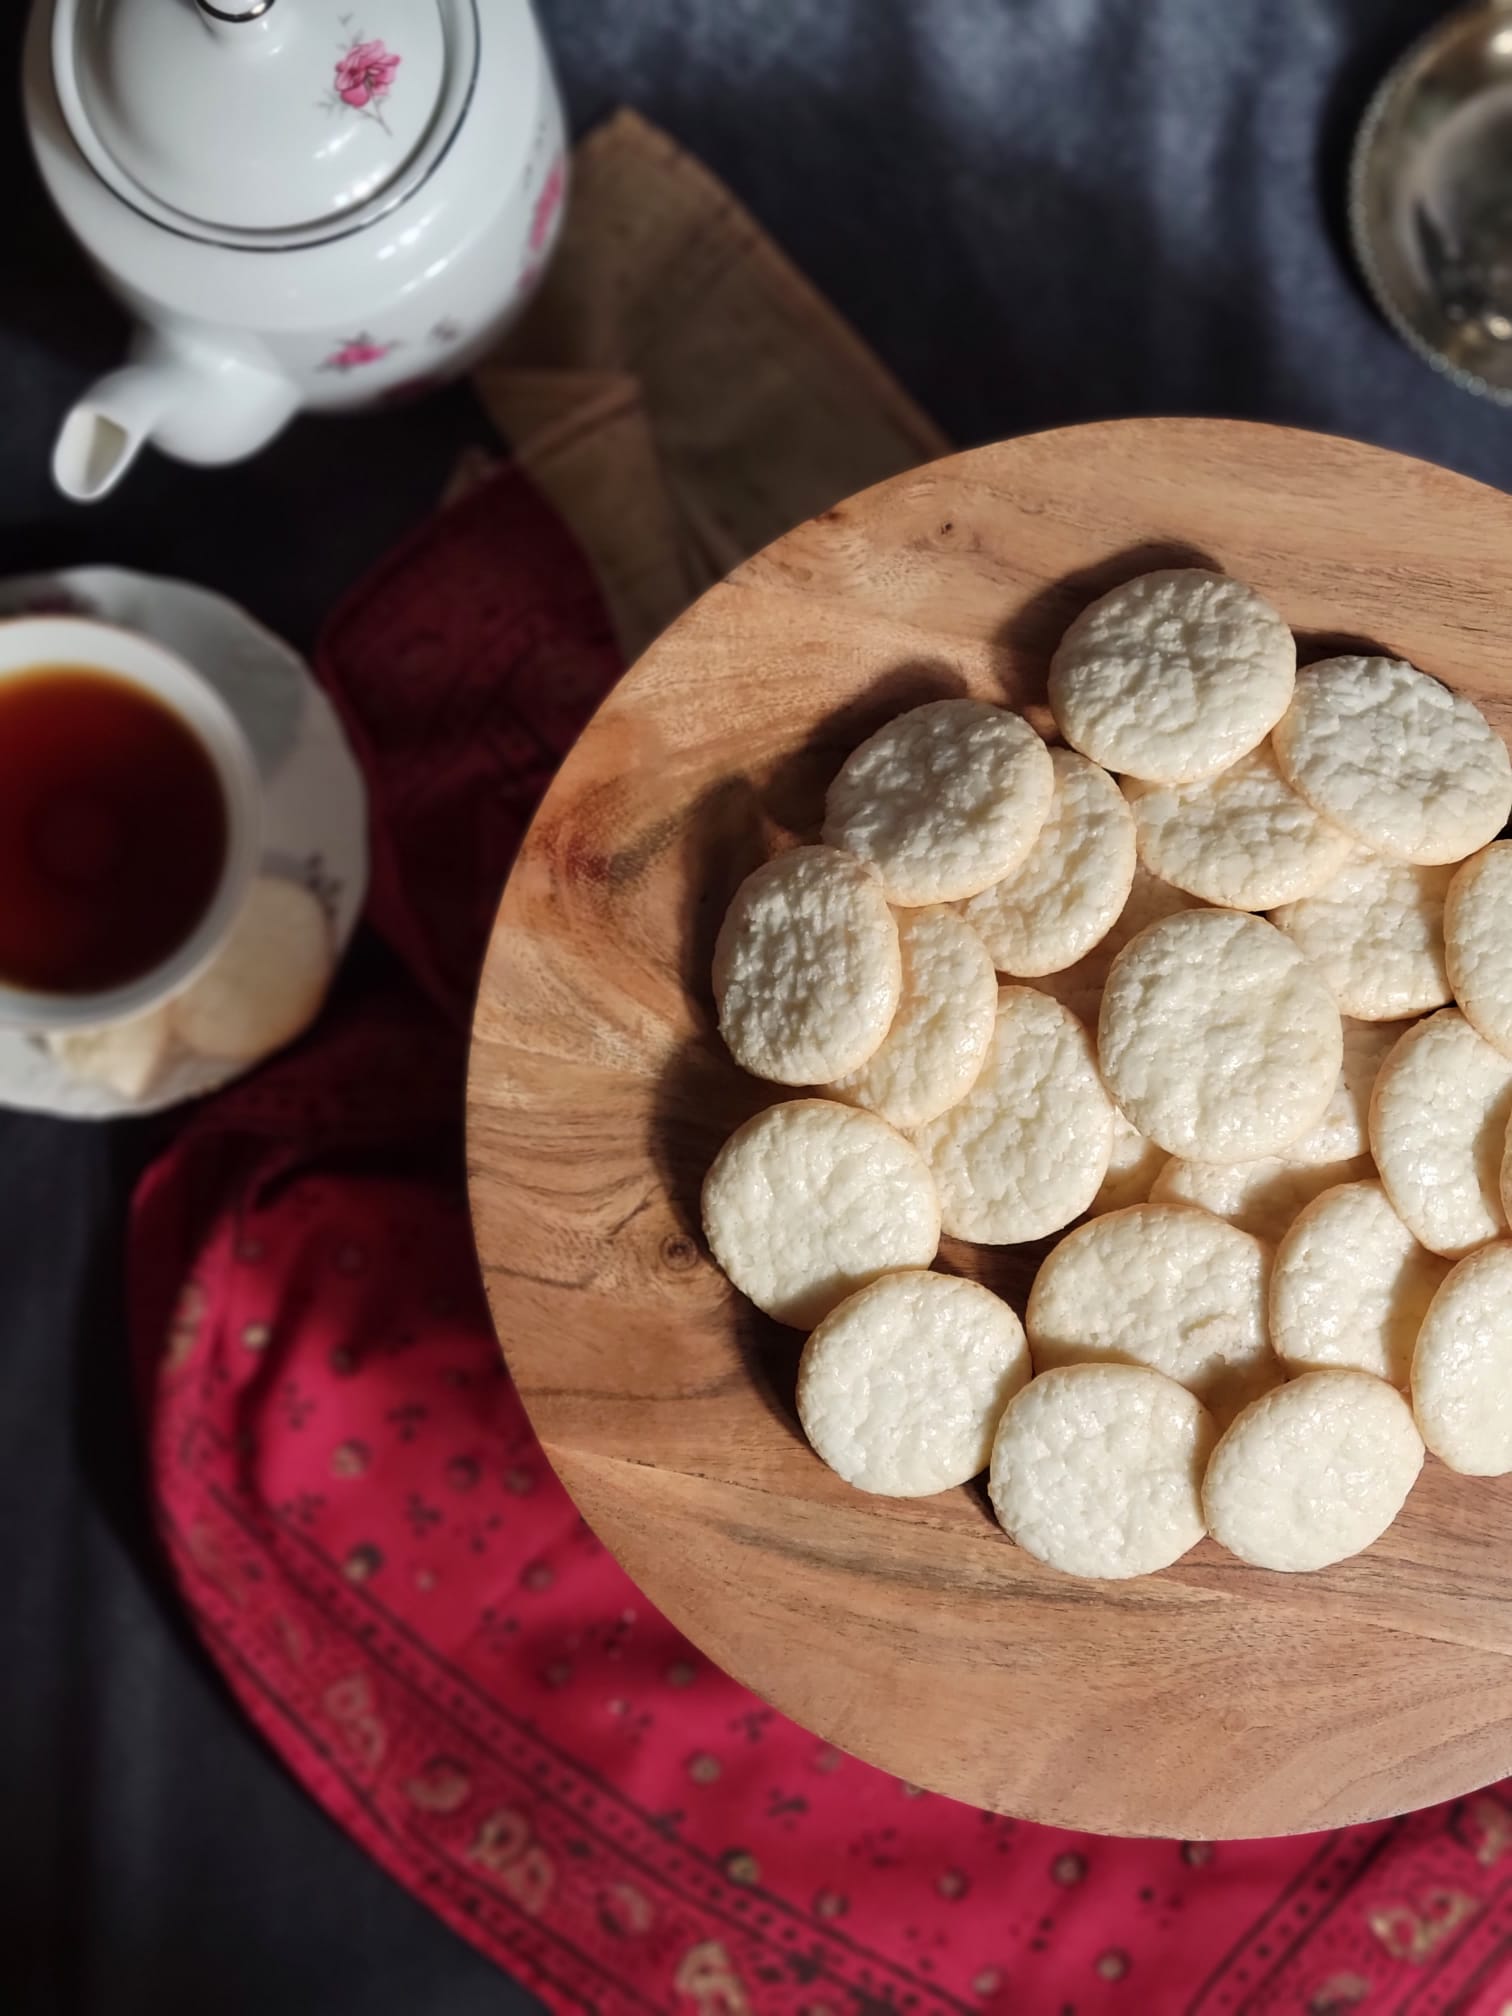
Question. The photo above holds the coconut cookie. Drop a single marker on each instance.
(1260, 1197)
(1025, 1151)
(1313, 1471)
(1069, 891)
(1217, 1039)
(944, 801)
(266, 984)
(1375, 931)
(900, 1389)
(1462, 1367)
(1161, 1285)
(937, 1044)
(1173, 676)
(1409, 768)
(1438, 1125)
(1133, 1166)
(127, 1057)
(807, 970)
(1097, 1470)
(1343, 1134)
(1478, 942)
(1080, 987)
(1243, 838)
(810, 1201)
(1350, 1286)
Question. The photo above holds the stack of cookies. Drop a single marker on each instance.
(1034, 992)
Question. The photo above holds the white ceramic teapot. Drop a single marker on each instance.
(307, 204)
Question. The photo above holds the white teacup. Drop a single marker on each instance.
(33, 644)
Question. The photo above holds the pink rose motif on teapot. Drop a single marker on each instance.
(547, 204)
(356, 351)
(364, 77)
(543, 218)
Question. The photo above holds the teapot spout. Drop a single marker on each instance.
(106, 431)
(198, 406)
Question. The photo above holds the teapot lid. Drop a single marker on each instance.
(256, 115)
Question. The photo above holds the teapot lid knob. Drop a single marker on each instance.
(233, 14)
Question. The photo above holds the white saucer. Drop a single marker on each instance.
(314, 809)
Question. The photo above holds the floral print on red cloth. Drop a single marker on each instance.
(410, 1609)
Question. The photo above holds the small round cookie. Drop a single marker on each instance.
(1313, 1471)
(1217, 1039)
(811, 1200)
(900, 1389)
(1025, 1151)
(1438, 1126)
(127, 1057)
(1375, 931)
(938, 1041)
(266, 984)
(1076, 879)
(1173, 676)
(1350, 1286)
(1162, 1285)
(807, 970)
(1259, 1197)
(1097, 1470)
(1080, 987)
(944, 801)
(1408, 768)
(1133, 1166)
(1343, 1134)
(1478, 942)
(1243, 839)
(1462, 1367)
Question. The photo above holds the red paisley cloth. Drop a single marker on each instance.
(405, 1602)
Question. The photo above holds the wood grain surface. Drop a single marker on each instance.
(1211, 1700)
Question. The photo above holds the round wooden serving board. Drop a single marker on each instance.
(1211, 1700)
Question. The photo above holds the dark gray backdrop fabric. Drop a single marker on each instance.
(1037, 211)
